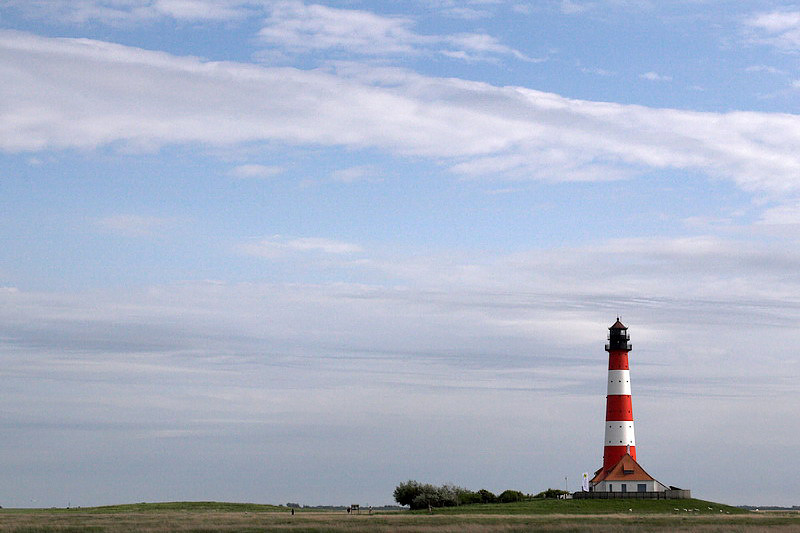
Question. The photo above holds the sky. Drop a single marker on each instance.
(285, 251)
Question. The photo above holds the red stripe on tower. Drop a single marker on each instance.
(619, 407)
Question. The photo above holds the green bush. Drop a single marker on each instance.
(468, 497)
(510, 496)
(487, 497)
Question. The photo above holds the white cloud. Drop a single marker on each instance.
(569, 7)
(479, 45)
(598, 71)
(356, 173)
(475, 128)
(705, 267)
(200, 9)
(534, 307)
(468, 13)
(764, 68)
(323, 245)
(129, 11)
(776, 21)
(132, 225)
(696, 281)
(278, 247)
(787, 214)
(778, 28)
(301, 27)
(255, 171)
(654, 76)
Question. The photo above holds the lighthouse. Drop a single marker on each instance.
(621, 473)
(619, 407)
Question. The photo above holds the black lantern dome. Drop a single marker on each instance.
(618, 337)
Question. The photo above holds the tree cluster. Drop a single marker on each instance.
(418, 495)
(424, 495)
(551, 493)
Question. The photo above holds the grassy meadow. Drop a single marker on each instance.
(541, 516)
(590, 507)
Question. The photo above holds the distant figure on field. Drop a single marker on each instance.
(292, 511)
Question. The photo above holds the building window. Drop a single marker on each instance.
(624, 487)
(641, 487)
(610, 487)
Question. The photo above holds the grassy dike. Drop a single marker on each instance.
(585, 507)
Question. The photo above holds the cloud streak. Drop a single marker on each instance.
(476, 128)
(777, 28)
(278, 247)
(301, 27)
(255, 171)
(130, 225)
(130, 11)
(654, 76)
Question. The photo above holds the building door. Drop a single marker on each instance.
(641, 487)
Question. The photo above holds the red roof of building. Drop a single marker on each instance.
(618, 325)
(626, 469)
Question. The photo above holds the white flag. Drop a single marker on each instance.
(585, 483)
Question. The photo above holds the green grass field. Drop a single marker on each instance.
(571, 507)
(593, 516)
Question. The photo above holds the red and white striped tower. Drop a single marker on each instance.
(619, 408)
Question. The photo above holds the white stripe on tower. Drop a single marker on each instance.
(619, 433)
(619, 382)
